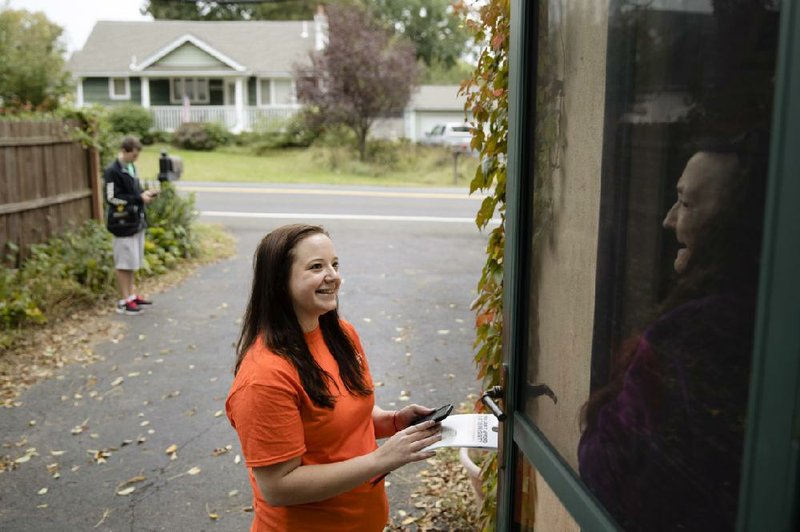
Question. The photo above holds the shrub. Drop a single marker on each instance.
(204, 136)
(132, 120)
(76, 268)
(162, 136)
(92, 128)
(169, 233)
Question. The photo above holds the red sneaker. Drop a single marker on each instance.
(129, 307)
(139, 301)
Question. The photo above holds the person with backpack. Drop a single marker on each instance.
(126, 220)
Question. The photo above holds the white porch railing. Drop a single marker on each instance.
(168, 118)
(268, 118)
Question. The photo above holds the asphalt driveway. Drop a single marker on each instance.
(104, 429)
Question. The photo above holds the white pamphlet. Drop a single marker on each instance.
(468, 430)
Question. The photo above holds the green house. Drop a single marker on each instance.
(238, 73)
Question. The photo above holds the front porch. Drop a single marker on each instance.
(251, 118)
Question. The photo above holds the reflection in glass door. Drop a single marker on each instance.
(648, 171)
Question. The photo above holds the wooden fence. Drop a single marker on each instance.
(48, 183)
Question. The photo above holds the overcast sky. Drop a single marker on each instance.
(78, 17)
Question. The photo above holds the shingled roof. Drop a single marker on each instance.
(262, 47)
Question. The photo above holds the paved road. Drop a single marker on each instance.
(407, 288)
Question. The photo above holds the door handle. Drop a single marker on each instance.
(536, 390)
(488, 397)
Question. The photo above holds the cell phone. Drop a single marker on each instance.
(437, 415)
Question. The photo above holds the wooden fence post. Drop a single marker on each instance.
(94, 183)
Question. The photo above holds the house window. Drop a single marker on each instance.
(119, 88)
(283, 92)
(196, 89)
(264, 92)
(276, 92)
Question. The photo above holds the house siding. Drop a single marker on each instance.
(189, 57)
(95, 90)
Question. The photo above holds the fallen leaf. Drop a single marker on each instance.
(218, 413)
(408, 520)
(233, 493)
(42, 491)
(132, 480)
(57, 453)
(237, 459)
(127, 491)
(171, 449)
(443, 331)
(193, 471)
(22, 459)
(219, 451)
(134, 374)
(80, 428)
(213, 515)
(117, 381)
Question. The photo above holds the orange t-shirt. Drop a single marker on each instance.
(276, 420)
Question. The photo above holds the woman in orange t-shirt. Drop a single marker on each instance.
(302, 399)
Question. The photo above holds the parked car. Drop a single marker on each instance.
(455, 135)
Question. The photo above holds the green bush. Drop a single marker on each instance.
(76, 268)
(294, 133)
(132, 120)
(162, 136)
(203, 136)
(169, 234)
(93, 129)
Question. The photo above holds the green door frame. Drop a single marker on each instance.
(771, 469)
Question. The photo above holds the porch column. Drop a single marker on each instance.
(145, 92)
(240, 111)
(79, 92)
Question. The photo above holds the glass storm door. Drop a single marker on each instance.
(639, 162)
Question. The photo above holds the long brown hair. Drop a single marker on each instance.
(271, 315)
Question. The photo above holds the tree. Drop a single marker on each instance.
(434, 27)
(362, 74)
(32, 67)
(211, 10)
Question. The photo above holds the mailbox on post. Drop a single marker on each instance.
(169, 168)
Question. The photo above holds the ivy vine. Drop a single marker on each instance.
(487, 98)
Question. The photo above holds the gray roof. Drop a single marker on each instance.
(262, 47)
(437, 98)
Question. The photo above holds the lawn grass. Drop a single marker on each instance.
(414, 166)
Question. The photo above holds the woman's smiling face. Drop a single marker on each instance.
(314, 280)
(701, 192)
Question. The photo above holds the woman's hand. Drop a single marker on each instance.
(403, 417)
(407, 445)
(289, 483)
